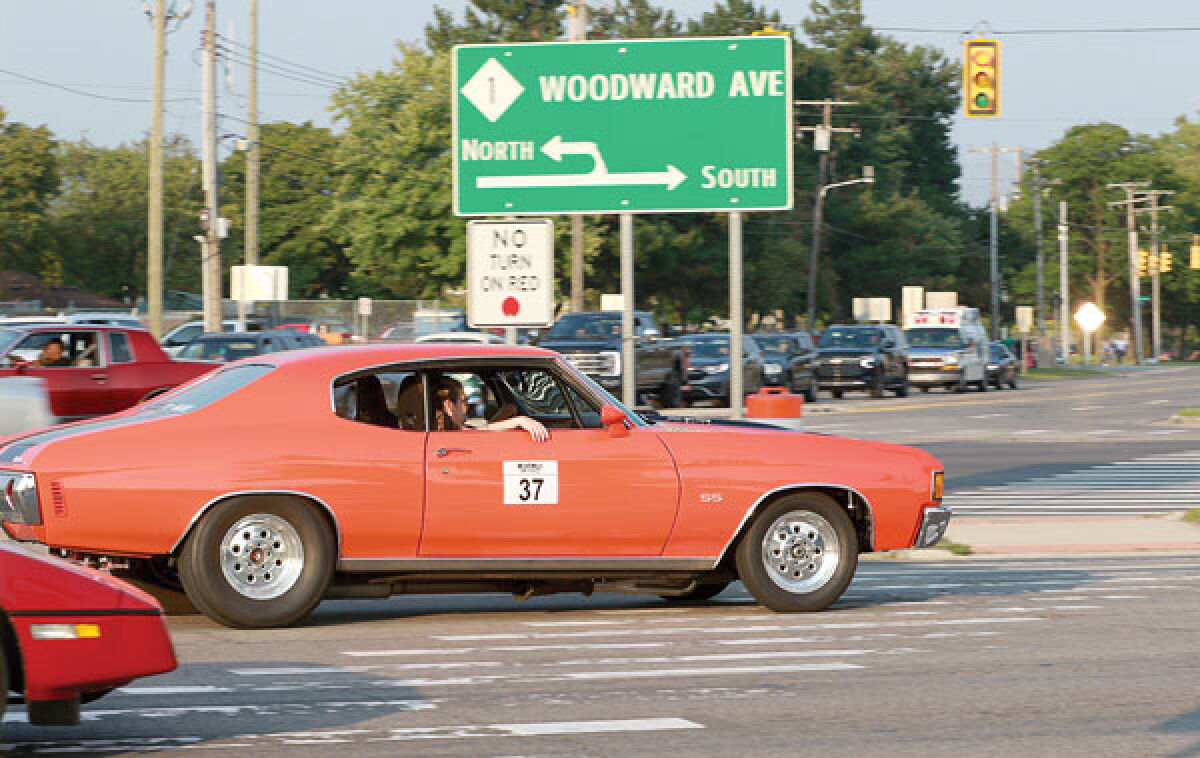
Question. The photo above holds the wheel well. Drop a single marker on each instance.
(855, 505)
(155, 393)
(12, 653)
(309, 500)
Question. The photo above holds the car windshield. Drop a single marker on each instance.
(771, 343)
(577, 325)
(8, 338)
(205, 391)
(223, 350)
(853, 338)
(709, 349)
(933, 337)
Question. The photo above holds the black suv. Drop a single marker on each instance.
(789, 358)
(871, 357)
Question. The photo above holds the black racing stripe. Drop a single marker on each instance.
(15, 449)
(83, 614)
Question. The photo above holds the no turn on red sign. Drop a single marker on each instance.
(510, 273)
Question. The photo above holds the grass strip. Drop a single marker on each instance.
(955, 548)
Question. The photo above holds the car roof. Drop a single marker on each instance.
(341, 358)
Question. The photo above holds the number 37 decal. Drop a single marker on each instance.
(530, 482)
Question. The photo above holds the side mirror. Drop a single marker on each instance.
(613, 419)
(889, 344)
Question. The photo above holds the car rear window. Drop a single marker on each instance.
(206, 390)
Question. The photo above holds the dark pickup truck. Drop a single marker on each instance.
(102, 369)
(592, 343)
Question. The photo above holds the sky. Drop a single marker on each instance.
(1060, 76)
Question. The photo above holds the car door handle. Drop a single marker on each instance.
(442, 452)
(100, 377)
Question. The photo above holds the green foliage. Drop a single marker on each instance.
(298, 177)
(28, 181)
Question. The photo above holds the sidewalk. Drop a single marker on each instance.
(1059, 535)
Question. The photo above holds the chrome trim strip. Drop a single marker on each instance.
(337, 527)
(524, 564)
(933, 526)
(810, 485)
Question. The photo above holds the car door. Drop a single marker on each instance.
(583, 493)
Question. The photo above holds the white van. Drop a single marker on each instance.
(947, 347)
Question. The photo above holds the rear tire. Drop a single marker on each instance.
(799, 554)
(837, 394)
(811, 394)
(902, 389)
(876, 389)
(258, 562)
(1012, 383)
(3, 681)
(982, 384)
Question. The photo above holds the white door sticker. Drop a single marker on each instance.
(531, 482)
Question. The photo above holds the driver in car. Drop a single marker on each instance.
(52, 354)
(451, 412)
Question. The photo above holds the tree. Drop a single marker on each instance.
(496, 21)
(28, 181)
(299, 176)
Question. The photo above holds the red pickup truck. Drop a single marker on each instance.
(93, 370)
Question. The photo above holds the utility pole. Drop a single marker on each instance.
(1130, 189)
(578, 11)
(1155, 258)
(1064, 306)
(154, 213)
(210, 256)
(822, 137)
(252, 139)
(994, 235)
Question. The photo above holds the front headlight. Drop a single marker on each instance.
(772, 368)
(717, 368)
(18, 499)
(867, 362)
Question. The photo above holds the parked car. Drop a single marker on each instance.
(305, 498)
(103, 369)
(332, 331)
(174, 341)
(463, 338)
(592, 342)
(789, 359)
(231, 346)
(709, 363)
(871, 357)
(1001, 366)
(69, 634)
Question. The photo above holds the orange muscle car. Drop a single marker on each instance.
(279, 480)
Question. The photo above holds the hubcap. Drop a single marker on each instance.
(800, 551)
(261, 556)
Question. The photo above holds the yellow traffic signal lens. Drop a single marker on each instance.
(983, 80)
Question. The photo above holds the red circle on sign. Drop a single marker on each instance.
(511, 306)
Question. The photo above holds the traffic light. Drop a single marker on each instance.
(1143, 263)
(1164, 260)
(981, 77)
(1195, 251)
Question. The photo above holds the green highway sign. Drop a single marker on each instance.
(639, 126)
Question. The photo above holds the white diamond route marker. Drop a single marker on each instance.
(492, 90)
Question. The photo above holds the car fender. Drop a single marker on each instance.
(324, 509)
(857, 506)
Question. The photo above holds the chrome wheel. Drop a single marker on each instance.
(262, 556)
(800, 551)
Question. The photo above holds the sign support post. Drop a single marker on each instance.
(628, 354)
(737, 389)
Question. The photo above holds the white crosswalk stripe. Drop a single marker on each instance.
(1150, 484)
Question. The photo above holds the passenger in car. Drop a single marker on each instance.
(450, 412)
(371, 405)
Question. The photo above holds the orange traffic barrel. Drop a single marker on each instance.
(777, 406)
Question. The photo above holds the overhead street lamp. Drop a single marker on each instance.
(868, 177)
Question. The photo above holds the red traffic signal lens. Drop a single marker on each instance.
(983, 57)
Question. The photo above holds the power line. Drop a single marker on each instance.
(269, 68)
(95, 95)
(1013, 32)
(284, 61)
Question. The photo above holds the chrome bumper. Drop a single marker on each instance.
(933, 525)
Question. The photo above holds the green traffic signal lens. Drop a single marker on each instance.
(982, 101)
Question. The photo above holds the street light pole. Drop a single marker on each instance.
(868, 177)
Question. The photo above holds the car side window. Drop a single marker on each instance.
(119, 350)
(392, 399)
(589, 414)
(537, 393)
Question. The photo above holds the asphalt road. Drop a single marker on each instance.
(1081, 657)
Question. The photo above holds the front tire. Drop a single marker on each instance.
(258, 562)
(3, 680)
(799, 554)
